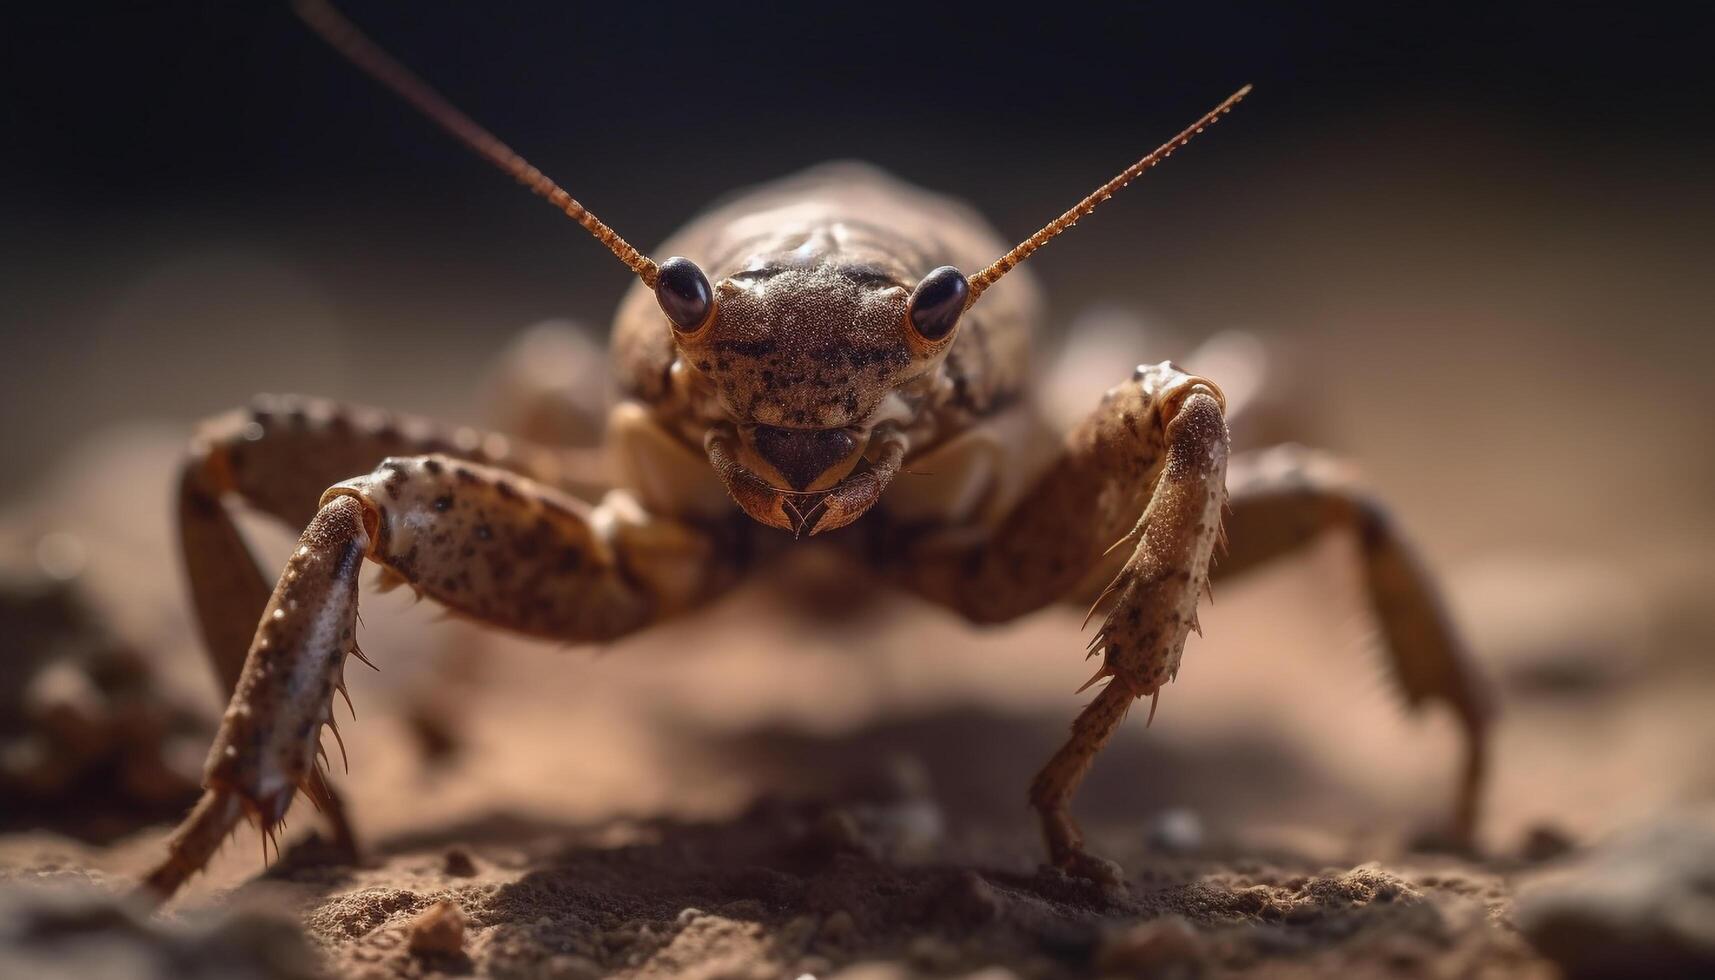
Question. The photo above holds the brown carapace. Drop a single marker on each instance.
(803, 344)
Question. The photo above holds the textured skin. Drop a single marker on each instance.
(811, 274)
(497, 547)
(811, 277)
(278, 456)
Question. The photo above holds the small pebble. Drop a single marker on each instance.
(836, 832)
(1165, 947)
(438, 929)
(1545, 842)
(570, 966)
(968, 900)
(459, 863)
(1641, 904)
(1177, 831)
(838, 928)
(932, 953)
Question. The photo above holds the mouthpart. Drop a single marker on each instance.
(862, 470)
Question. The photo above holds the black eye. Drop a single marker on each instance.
(937, 302)
(684, 294)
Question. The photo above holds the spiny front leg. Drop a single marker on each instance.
(1153, 609)
(487, 543)
(271, 732)
(1145, 471)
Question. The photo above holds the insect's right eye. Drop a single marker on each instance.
(684, 294)
(937, 302)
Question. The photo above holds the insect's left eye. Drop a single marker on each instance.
(684, 294)
(937, 302)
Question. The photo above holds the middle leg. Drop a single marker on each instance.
(1286, 497)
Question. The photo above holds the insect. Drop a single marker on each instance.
(805, 344)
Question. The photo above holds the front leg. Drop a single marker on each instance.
(276, 458)
(1145, 471)
(482, 541)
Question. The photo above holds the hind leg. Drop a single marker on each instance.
(553, 386)
(1286, 497)
(1280, 501)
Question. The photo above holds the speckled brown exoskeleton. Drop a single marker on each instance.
(807, 342)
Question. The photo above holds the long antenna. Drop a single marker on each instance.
(344, 36)
(1010, 260)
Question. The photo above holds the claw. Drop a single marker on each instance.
(268, 814)
(803, 518)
